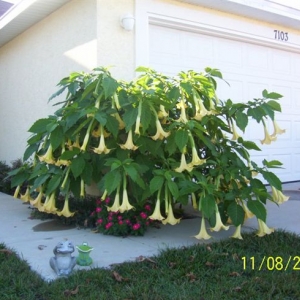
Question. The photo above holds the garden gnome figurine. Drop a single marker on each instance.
(63, 263)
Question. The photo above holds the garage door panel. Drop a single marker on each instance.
(249, 69)
(281, 63)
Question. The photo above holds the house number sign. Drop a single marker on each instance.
(281, 36)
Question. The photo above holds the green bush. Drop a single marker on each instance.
(5, 180)
(157, 138)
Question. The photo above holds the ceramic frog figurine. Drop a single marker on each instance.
(63, 263)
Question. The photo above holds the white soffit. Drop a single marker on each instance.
(264, 10)
(25, 14)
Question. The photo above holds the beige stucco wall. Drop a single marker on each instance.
(33, 63)
(116, 46)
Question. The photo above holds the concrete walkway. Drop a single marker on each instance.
(34, 240)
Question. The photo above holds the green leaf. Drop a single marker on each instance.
(40, 125)
(69, 154)
(265, 93)
(112, 181)
(112, 125)
(241, 120)
(272, 163)
(40, 180)
(87, 174)
(53, 183)
(19, 179)
(61, 90)
(156, 184)
(257, 113)
(272, 179)
(77, 166)
(250, 145)
(274, 105)
(274, 96)
(129, 117)
(101, 117)
(56, 137)
(110, 86)
(173, 188)
(257, 208)
(268, 110)
(181, 139)
(236, 213)
(30, 150)
(208, 205)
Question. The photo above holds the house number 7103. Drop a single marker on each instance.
(281, 36)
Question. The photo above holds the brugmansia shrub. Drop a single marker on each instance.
(157, 138)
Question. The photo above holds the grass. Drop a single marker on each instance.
(201, 272)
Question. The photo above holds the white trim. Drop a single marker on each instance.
(157, 12)
(221, 32)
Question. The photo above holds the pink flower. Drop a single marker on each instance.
(148, 207)
(92, 213)
(128, 222)
(107, 200)
(108, 225)
(109, 218)
(120, 218)
(98, 209)
(147, 223)
(143, 215)
(98, 202)
(99, 221)
(120, 222)
(136, 226)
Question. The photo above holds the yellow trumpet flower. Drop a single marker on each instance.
(202, 235)
(263, 229)
(182, 106)
(219, 224)
(101, 147)
(26, 197)
(97, 132)
(62, 162)
(170, 218)
(121, 122)
(183, 165)
(268, 138)
(137, 125)
(104, 195)
(235, 135)
(162, 112)
(277, 130)
(248, 213)
(116, 206)
(278, 196)
(156, 213)
(201, 111)
(17, 190)
(48, 156)
(194, 201)
(82, 188)
(125, 202)
(37, 202)
(129, 142)
(160, 133)
(196, 160)
(49, 205)
(237, 234)
(65, 211)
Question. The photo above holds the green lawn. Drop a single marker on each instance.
(253, 268)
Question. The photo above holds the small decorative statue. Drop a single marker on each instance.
(83, 259)
(63, 263)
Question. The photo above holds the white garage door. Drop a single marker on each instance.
(249, 69)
